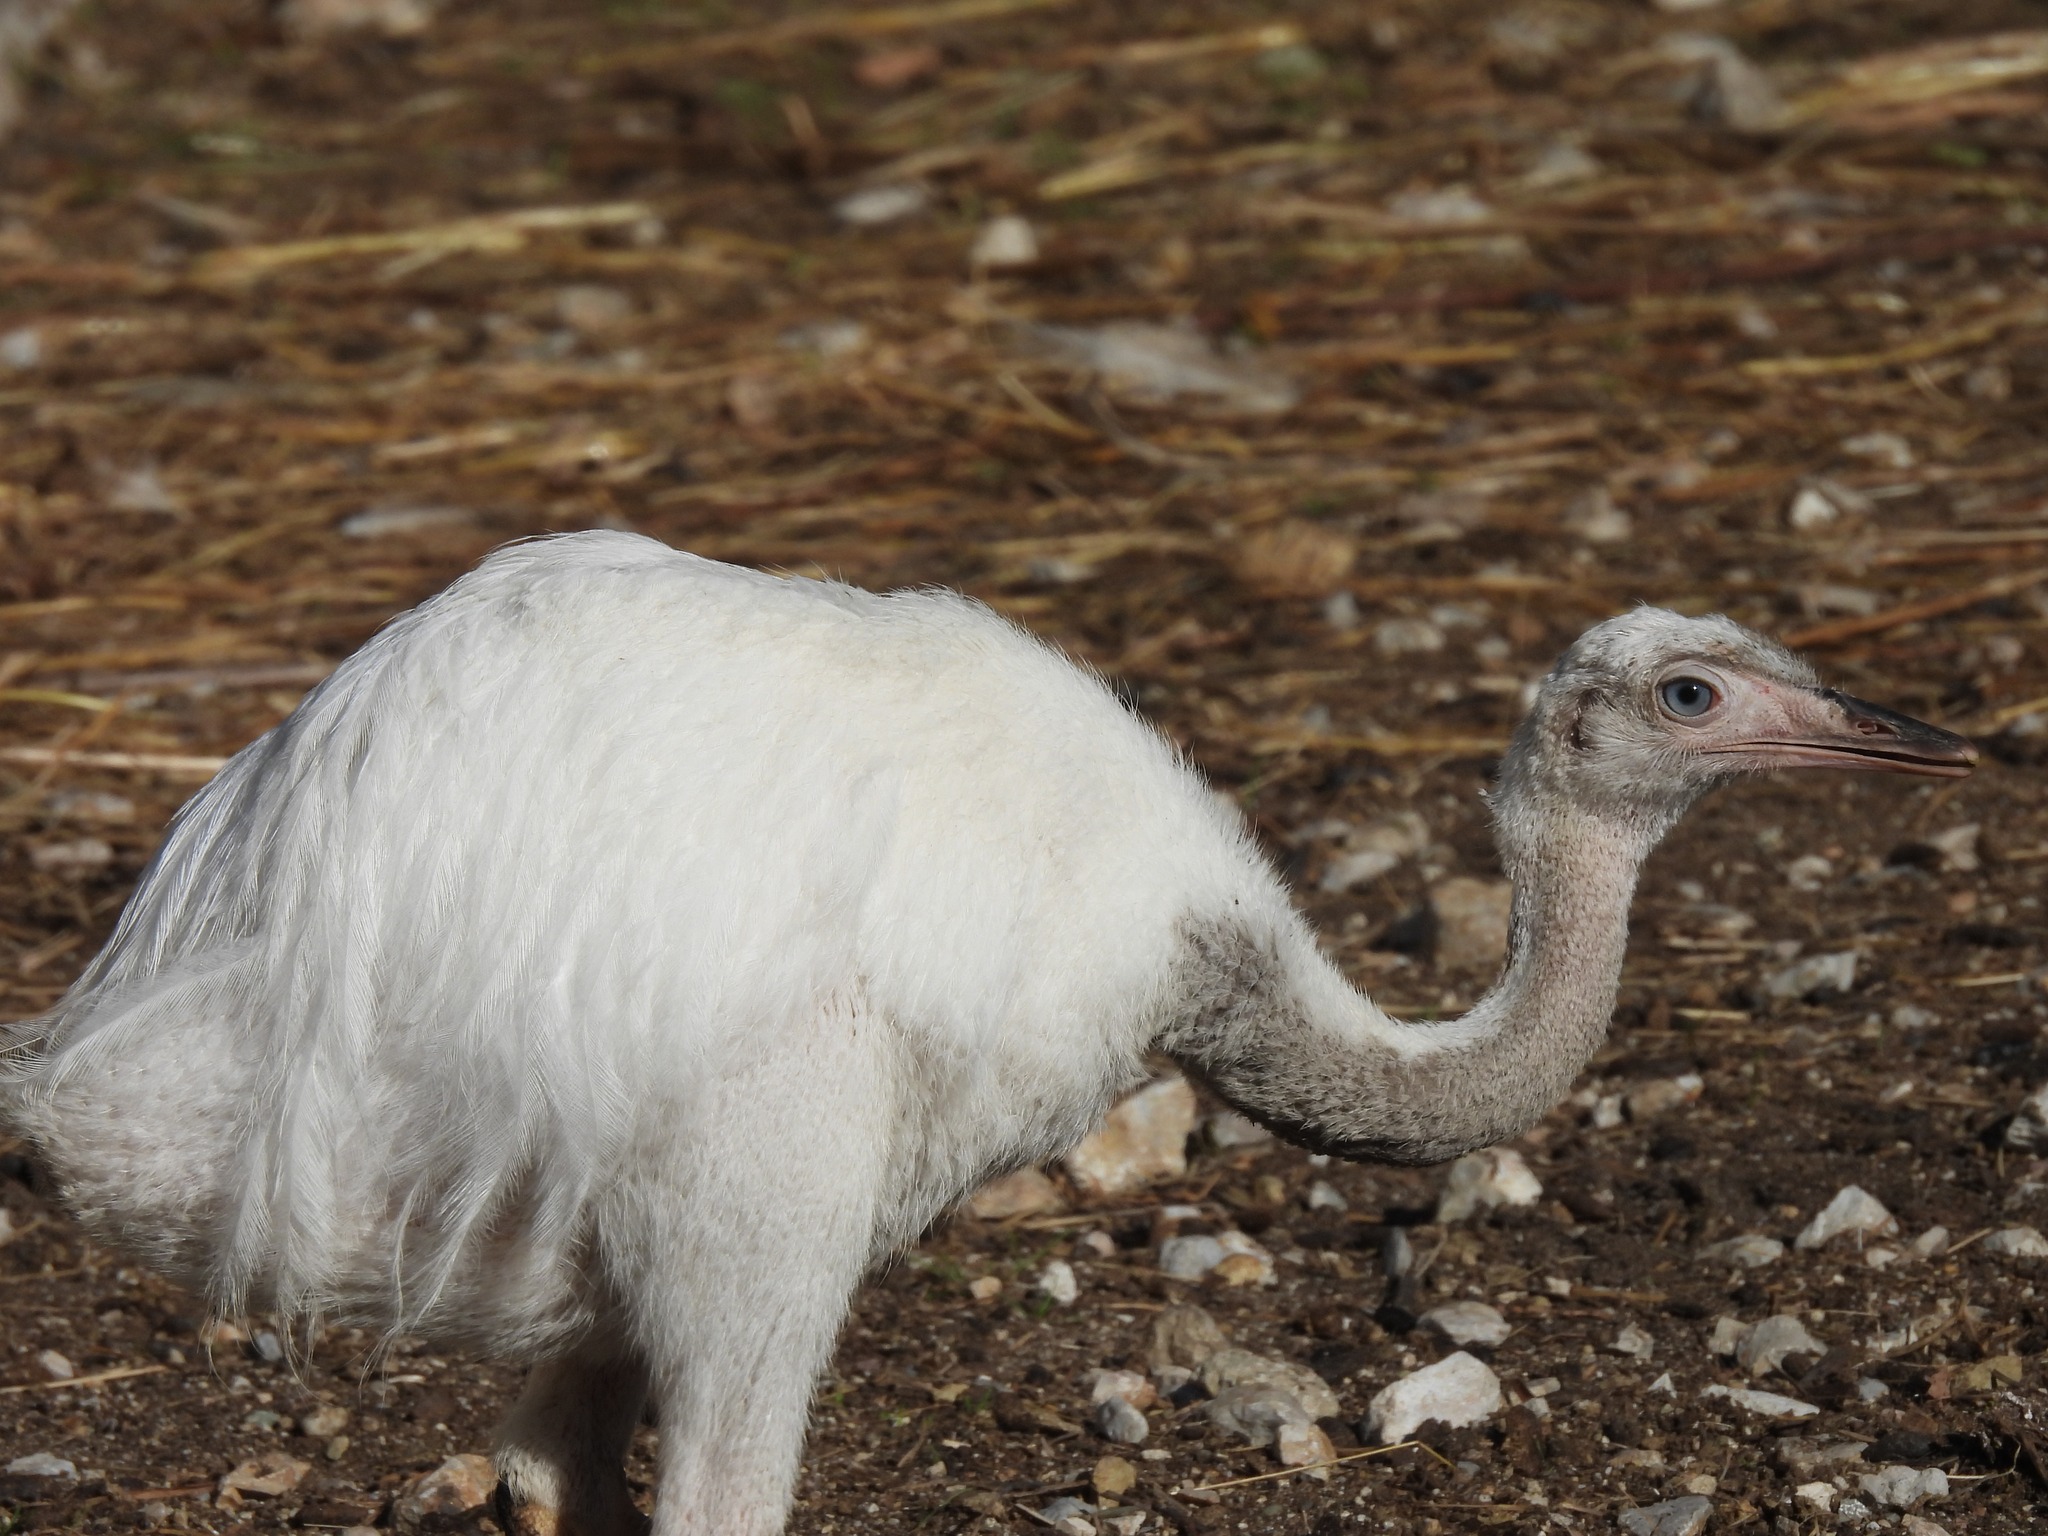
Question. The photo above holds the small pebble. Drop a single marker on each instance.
(1904, 1487)
(55, 1366)
(1752, 1250)
(1853, 1211)
(42, 1464)
(1467, 1322)
(1686, 1516)
(1005, 241)
(1120, 1422)
(874, 206)
(1768, 1405)
(1634, 1342)
(1458, 1391)
(1764, 1346)
(2017, 1243)
(1323, 1196)
(1481, 1181)
(1058, 1285)
(1816, 975)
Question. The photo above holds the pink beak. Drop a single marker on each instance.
(1827, 729)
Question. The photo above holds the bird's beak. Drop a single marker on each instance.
(1825, 729)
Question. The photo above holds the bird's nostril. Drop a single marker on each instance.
(1868, 727)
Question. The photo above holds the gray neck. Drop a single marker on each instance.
(1274, 1028)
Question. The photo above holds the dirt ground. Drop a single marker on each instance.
(1520, 314)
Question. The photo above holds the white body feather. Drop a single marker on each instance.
(613, 875)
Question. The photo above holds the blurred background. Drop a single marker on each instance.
(1314, 371)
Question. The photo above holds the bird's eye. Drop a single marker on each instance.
(1688, 697)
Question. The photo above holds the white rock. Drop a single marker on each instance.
(21, 348)
(1481, 1181)
(1027, 1192)
(1914, 1525)
(309, 21)
(1854, 1211)
(1726, 1334)
(1448, 205)
(1305, 1445)
(1134, 1387)
(1407, 637)
(1324, 1196)
(1158, 364)
(1661, 1095)
(1229, 1369)
(1005, 241)
(1634, 1342)
(1768, 1405)
(42, 1464)
(323, 1422)
(827, 339)
(456, 1487)
(1467, 1322)
(1257, 1413)
(1362, 866)
(873, 206)
(1929, 1244)
(1184, 1336)
(1142, 1139)
(268, 1475)
(2029, 1128)
(1403, 834)
(55, 1366)
(1560, 165)
(1094, 1246)
(1227, 1128)
(384, 522)
(75, 856)
(1471, 922)
(1904, 1487)
(2018, 1243)
(1886, 448)
(1819, 1498)
(592, 308)
(1120, 1422)
(1958, 847)
(1057, 1284)
(1810, 510)
(1456, 1391)
(1685, 1516)
(1595, 518)
(1763, 1347)
(1730, 90)
(1189, 1258)
(1809, 873)
(1816, 973)
(1752, 1250)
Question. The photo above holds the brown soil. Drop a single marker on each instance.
(1697, 326)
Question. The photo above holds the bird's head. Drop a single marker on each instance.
(1648, 711)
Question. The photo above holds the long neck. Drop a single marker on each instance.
(1275, 1029)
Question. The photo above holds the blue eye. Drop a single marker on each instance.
(1688, 697)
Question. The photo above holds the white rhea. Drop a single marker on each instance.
(621, 952)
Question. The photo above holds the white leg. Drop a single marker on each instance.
(758, 1223)
(561, 1452)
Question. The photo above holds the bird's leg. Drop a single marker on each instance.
(752, 1233)
(561, 1452)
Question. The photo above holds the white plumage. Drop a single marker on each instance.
(621, 951)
